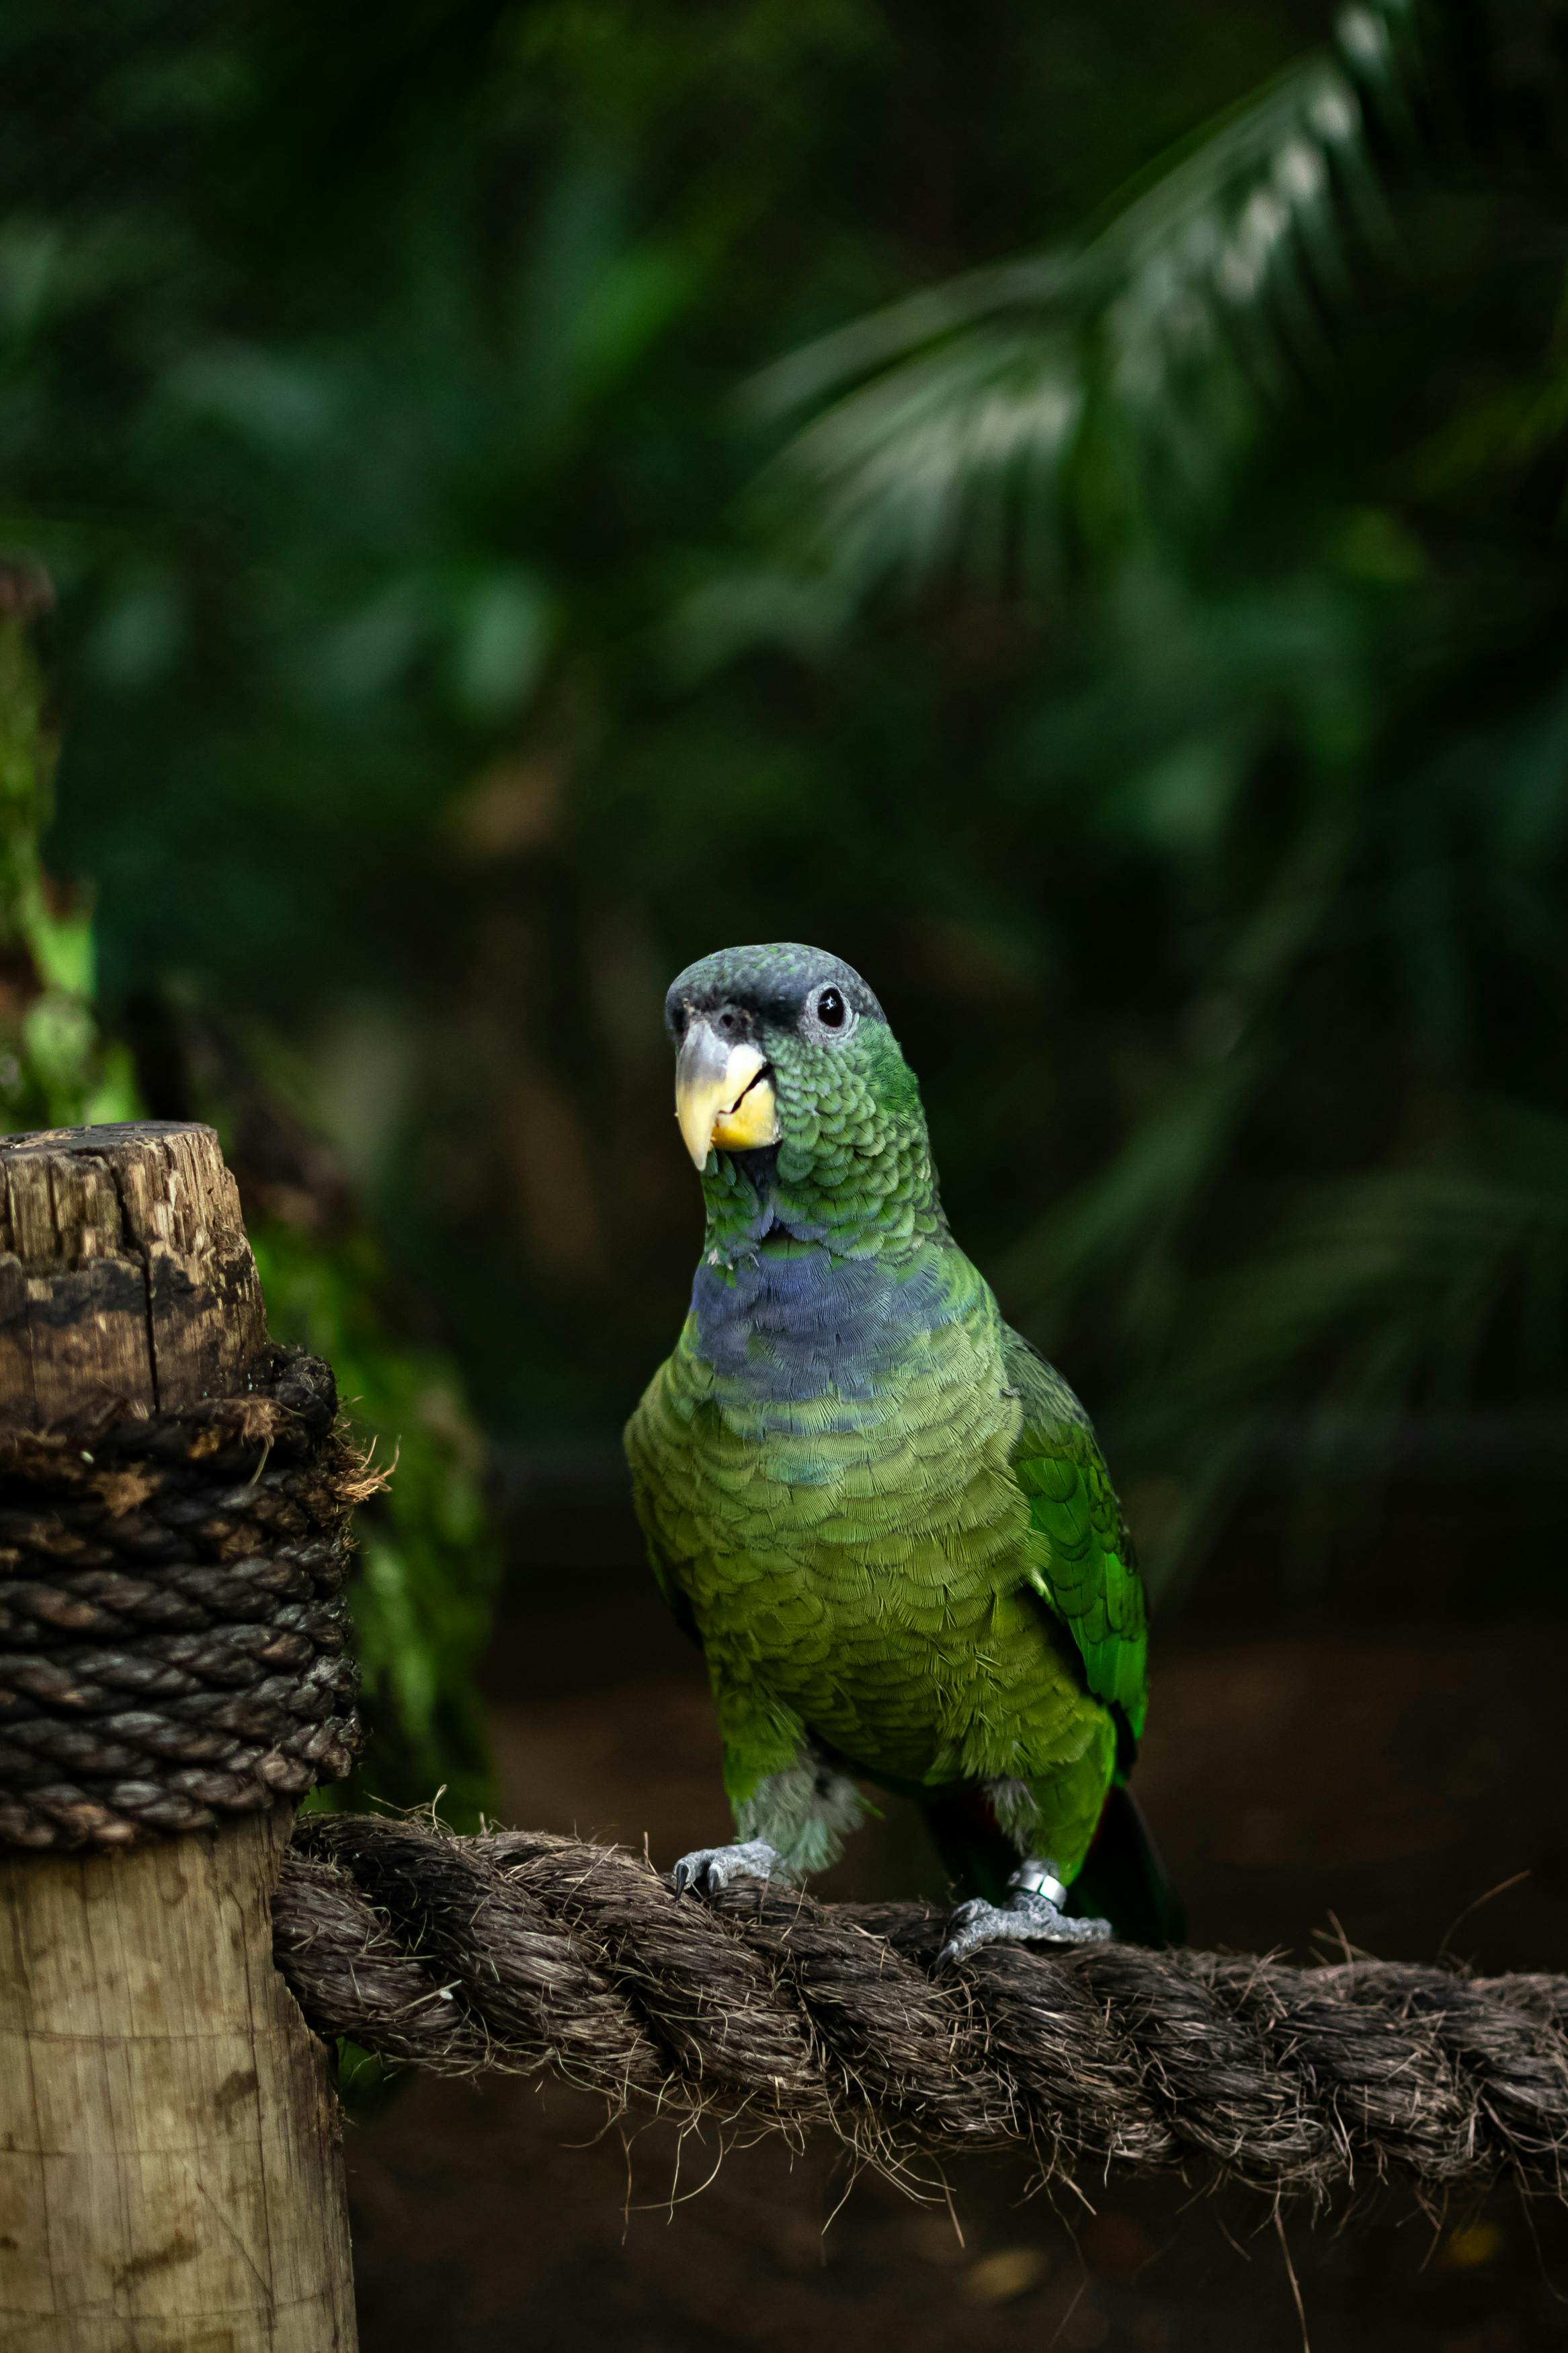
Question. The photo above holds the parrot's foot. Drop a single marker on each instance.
(707, 1869)
(1032, 1914)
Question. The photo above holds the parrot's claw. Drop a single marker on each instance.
(708, 1869)
(1032, 1914)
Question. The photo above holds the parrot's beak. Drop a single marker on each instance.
(723, 1095)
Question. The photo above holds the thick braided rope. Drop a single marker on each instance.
(174, 1643)
(525, 1952)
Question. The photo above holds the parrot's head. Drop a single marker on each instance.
(789, 1083)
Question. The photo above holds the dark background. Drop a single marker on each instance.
(1064, 508)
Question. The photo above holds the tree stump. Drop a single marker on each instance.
(170, 2175)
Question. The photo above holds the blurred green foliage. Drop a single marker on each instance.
(56, 1068)
(1143, 657)
(424, 1579)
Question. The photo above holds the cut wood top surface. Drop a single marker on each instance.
(125, 1273)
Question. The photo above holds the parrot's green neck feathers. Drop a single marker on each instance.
(851, 1171)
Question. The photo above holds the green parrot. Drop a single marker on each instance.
(882, 1515)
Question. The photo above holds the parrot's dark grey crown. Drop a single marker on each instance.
(774, 984)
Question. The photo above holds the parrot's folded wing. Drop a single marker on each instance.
(1083, 1563)
(670, 1592)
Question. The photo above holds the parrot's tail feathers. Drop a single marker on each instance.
(1123, 1880)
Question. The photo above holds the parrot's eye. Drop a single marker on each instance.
(827, 1018)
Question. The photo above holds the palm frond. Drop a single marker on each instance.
(1406, 1268)
(1419, 1287)
(1115, 381)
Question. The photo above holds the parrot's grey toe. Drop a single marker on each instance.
(707, 1869)
(1027, 1917)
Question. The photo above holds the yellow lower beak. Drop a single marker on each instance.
(721, 1096)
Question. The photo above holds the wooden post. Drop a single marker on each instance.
(170, 2175)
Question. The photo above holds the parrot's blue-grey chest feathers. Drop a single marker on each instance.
(791, 1326)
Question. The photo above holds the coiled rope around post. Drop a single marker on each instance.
(528, 1952)
(173, 1640)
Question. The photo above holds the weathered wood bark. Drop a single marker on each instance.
(170, 2175)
